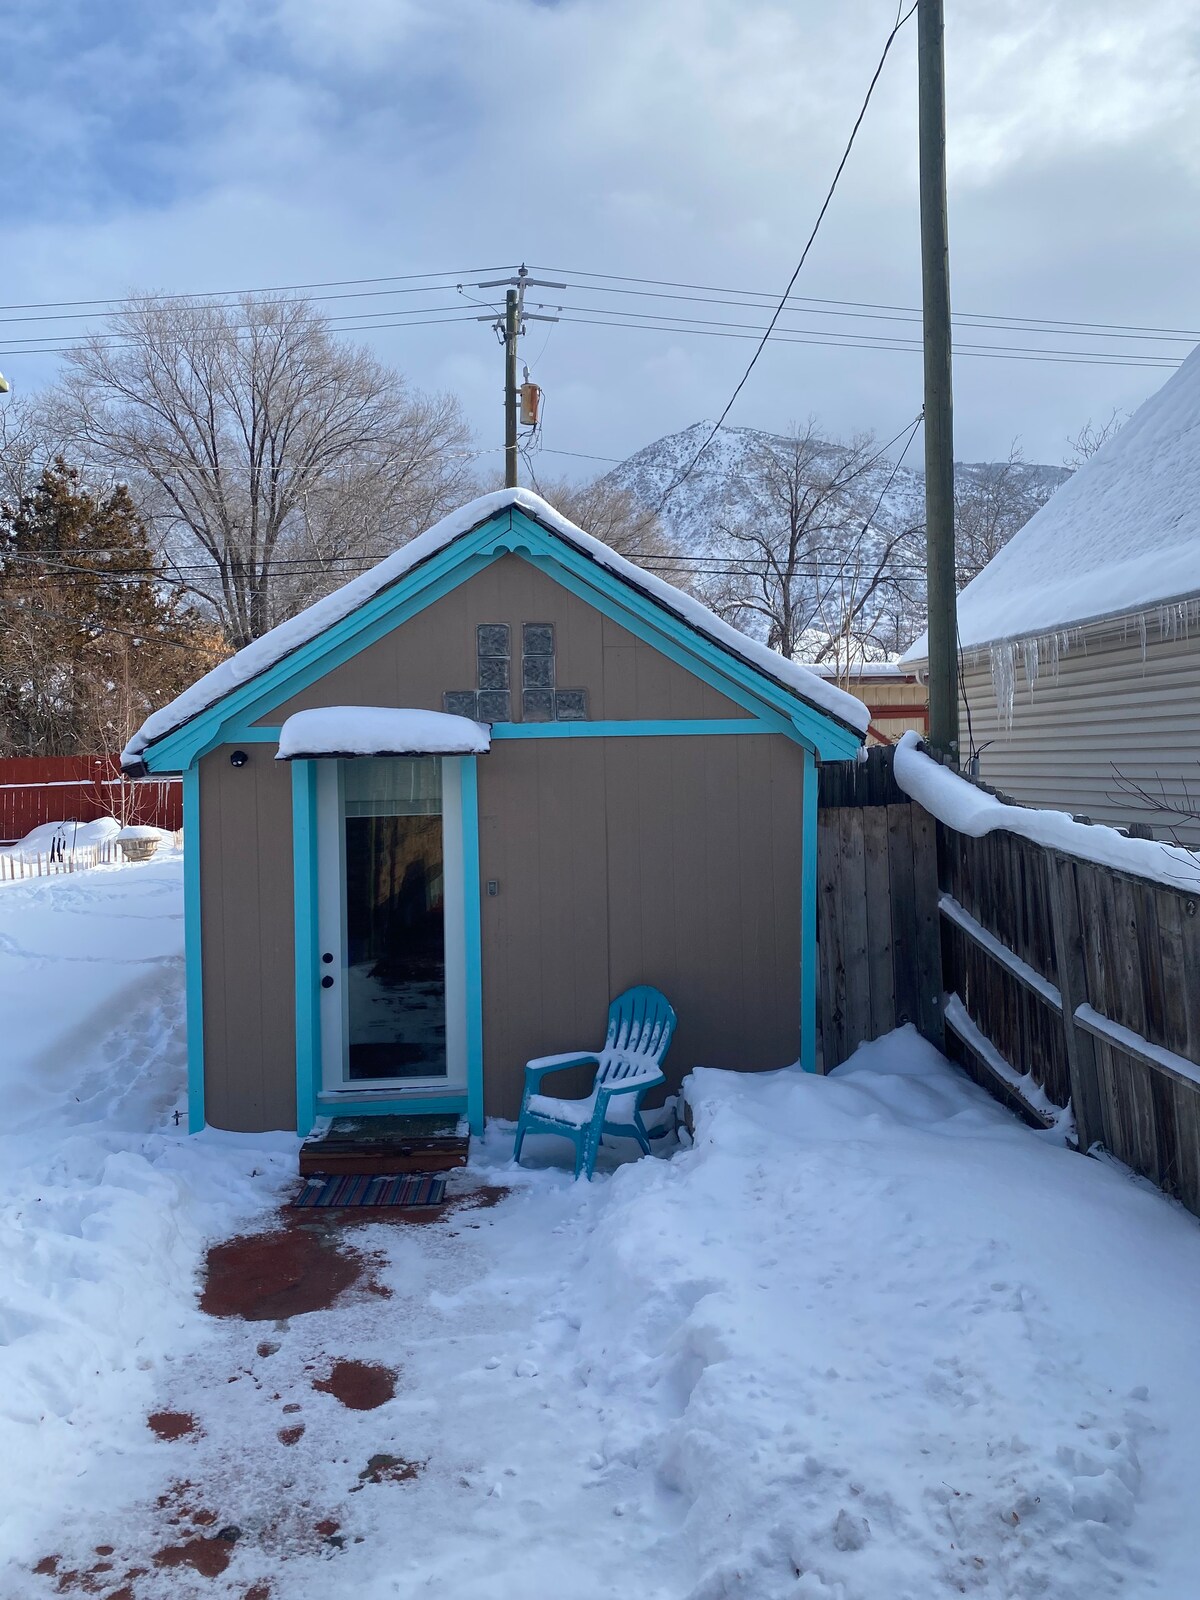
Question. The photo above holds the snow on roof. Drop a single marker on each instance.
(261, 654)
(966, 809)
(1122, 534)
(379, 731)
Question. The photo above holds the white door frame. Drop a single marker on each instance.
(331, 934)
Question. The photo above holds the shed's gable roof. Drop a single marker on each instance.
(1122, 535)
(256, 668)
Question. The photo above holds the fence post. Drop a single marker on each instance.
(1072, 984)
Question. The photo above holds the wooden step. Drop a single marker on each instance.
(385, 1146)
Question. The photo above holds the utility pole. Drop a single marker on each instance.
(512, 328)
(509, 329)
(939, 408)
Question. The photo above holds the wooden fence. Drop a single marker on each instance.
(38, 789)
(1057, 981)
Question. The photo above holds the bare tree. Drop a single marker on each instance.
(622, 522)
(30, 439)
(274, 460)
(815, 565)
(992, 501)
(1090, 437)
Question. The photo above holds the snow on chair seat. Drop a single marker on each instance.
(640, 1024)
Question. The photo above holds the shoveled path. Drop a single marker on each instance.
(369, 1417)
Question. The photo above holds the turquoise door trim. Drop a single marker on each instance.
(310, 1101)
(808, 916)
(472, 922)
(193, 957)
(308, 1009)
(510, 530)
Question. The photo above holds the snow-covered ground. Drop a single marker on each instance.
(869, 1338)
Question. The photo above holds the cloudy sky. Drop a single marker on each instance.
(224, 144)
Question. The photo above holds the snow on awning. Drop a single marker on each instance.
(379, 731)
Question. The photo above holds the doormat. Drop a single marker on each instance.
(360, 1190)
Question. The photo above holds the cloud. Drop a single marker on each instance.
(228, 143)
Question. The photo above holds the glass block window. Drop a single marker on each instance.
(537, 672)
(494, 705)
(537, 638)
(459, 702)
(492, 641)
(493, 672)
(570, 705)
(537, 705)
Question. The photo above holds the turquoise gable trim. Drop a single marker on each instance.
(634, 730)
(474, 941)
(510, 530)
(308, 1001)
(808, 919)
(685, 645)
(193, 958)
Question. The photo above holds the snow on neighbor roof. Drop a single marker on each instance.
(1121, 535)
(379, 731)
(261, 654)
(966, 809)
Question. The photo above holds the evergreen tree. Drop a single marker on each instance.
(92, 637)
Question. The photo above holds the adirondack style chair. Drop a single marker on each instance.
(640, 1024)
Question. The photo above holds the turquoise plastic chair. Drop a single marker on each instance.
(640, 1024)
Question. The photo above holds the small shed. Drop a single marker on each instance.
(434, 822)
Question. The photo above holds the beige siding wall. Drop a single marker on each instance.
(1109, 706)
(435, 651)
(671, 861)
(247, 941)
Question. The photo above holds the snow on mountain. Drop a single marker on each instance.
(725, 486)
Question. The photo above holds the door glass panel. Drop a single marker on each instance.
(395, 905)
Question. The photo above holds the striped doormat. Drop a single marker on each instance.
(363, 1190)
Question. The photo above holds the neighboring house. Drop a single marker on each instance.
(895, 697)
(1081, 637)
(437, 820)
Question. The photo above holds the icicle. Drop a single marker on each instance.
(1030, 656)
(1004, 679)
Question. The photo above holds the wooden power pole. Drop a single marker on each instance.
(939, 406)
(510, 328)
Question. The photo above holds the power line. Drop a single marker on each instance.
(898, 24)
(871, 305)
(283, 288)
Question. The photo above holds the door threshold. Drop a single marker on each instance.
(414, 1097)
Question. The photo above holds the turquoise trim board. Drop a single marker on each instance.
(308, 1001)
(508, 531)
(808, 916)
(473, 941)
(192, 952)
(445, 1105)
(630, 730)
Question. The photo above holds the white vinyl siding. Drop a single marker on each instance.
(1109, 706)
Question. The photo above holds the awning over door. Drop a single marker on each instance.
(349, 731)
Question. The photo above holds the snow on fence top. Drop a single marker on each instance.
(379, 731)
(260, 654)
(966, 809)
(1122, 534)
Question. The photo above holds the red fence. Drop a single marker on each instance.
(37, 789)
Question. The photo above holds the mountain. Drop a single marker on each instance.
(726, 485)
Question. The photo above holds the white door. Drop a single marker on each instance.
(392, 925)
